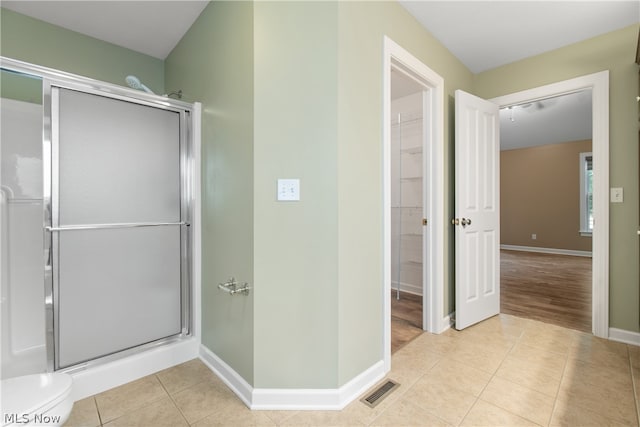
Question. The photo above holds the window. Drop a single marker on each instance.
(586, 194)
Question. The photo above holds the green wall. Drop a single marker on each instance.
(38, 42)
(296, 259)
(363, 26)
(315, 110)
(213, 64)
(615, 52)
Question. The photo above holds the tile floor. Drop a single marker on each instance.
(505, 371)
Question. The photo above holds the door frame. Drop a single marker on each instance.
(599, 84)
(433, 149)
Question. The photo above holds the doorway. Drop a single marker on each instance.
(431, 222)
(599, 84)
(407, 206)
(546, 210)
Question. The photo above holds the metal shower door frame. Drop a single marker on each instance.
(52, 226)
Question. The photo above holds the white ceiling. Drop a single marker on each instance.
(150, 27)
(481, 34)
(486, 34)
(549, 121)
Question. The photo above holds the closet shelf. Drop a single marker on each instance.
(411, 150)
(411, 179)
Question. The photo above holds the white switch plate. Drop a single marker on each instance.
(289, 190)
(617, 195)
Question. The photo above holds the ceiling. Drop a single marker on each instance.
(486, 34)
(150, 27)
(481, 34)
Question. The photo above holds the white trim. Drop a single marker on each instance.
(231, 378)
(318, 399)
(546, 250)
(103, 377)
(433, 289)
(292, 399)
(599, 83)
(627, 337)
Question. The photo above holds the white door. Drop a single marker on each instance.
(477, 213)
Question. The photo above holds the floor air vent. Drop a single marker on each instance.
(380, 393)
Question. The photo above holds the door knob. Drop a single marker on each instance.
(455, 221)
(464, 222)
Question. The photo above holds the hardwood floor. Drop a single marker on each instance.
(406, 319)
(549, 288)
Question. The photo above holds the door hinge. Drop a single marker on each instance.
(424, 221)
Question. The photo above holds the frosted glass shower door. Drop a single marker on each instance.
(117, 225)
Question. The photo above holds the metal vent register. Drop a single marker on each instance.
(380, 393)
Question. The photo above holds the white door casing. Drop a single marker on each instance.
(433, 118)
(477, 212)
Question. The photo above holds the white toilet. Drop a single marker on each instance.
(36, 400)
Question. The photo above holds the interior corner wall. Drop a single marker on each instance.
(362, 27)
(296, 259)
(614, 52)
(213, 64)
(540, 194)
(38, 42)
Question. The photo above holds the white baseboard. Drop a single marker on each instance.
(292, 399)
(229, 376)
(627, 337)
(546, 250)
(99, 378)
(447, 322)
(407, 287)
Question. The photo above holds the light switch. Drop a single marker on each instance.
(289, 190)
(617, 195)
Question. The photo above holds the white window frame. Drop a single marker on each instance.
(584, 213)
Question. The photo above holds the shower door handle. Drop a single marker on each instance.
(113, 226)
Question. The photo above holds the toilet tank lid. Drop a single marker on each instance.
(30, 393)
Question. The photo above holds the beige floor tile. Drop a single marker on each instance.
(409, 364)
(606, 391)
(440, 399)
(600, 352)
(323, 418)
(179, 377)
(567, 414)
(123, 399)
(550, 361)
(479, 355)
(485, 414)
(531, 375)
(234, 414)
(551, 338)
(435, 343)
(84, 414)
(161, 413)
(463, 377)
(279, 417)
(403, 413)
(519, 400)
(203, 399)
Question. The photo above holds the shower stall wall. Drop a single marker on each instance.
(100, 177)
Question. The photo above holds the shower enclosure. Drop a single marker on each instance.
(99, 177)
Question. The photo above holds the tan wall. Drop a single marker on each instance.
(540, 194)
